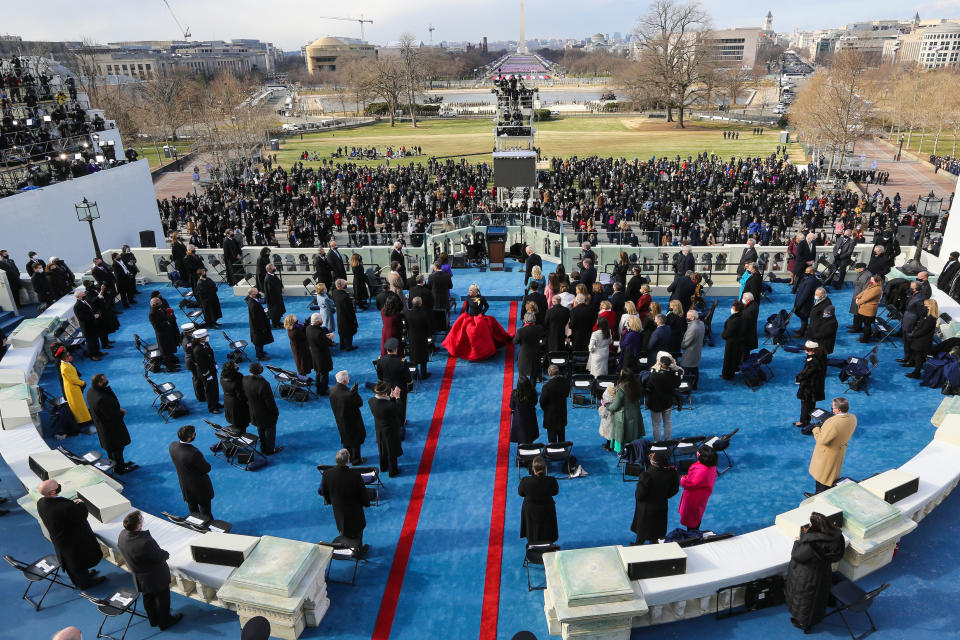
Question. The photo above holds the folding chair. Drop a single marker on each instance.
(886, 330)
(371, 480)
(92, 458)
(533, 556)
(414, 377)
(582, 390)
(559, 452)
(686, 451)
(561, 359)
(194, 315)
(857, 371)
(686, 390)
(238, 348)
(166, 399)
(720, 444)
(603, 382)
(850, 597)
(578, 362)
(346, 550)
(121, 602)
(237, 448)
(46, 568)
(526, 453)
(150, 352)
(293, 387)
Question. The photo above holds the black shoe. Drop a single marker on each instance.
(424, 376)
(94, 582)
(263, 357)
(2, 500)
(900, 360)
(353, 348)
(915, 376)
(275, 450)
(862, 341)
(172, 621)
(92, 573)
(395, 473)
(216, 411)
(96, 358)
(4, 512)
(906, 364)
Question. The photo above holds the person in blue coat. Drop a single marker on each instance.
(659, 339)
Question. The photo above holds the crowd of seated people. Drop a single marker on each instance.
(372, 153)
(945, 163)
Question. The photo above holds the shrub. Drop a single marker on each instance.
(542, 114)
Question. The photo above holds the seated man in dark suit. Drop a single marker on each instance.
(343, 488)
(151, 575)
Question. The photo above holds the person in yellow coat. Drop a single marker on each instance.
(826, 463)
(73, 387)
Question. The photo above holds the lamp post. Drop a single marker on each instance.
(88, 212)
(900, 150)
(928, 208)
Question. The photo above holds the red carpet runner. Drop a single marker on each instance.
(388, 606)
(491, 587)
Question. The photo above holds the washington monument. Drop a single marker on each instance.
(522, 43)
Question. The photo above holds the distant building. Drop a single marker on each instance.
(324, 53)
(939, 46)
(735, 47)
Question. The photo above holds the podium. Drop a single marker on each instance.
(496, 247)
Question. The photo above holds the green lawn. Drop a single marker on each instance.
(149, 152)
(945, 146)
(627, 136)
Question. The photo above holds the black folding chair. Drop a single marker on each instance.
(121, 602)
(850, 597)
(46, 569)
(237, 448)
(92, 458)
(238, 348)
(582, 390)
(346, 550)
(720, 444)
(167, 398)
(150, 352)
(533, 556)
(559, 452)
(526, 453)
(194, 315)
(371, 480)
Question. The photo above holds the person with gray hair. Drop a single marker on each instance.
(692, 347)
(583, 317)
(532, 260)
(528, 339)
(823, 324)
(806, 257)
(343, 488)
(345, 403)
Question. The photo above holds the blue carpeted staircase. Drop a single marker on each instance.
(9, 321)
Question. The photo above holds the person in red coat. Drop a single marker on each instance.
(297, 334)
(392, 315)
(697, 487)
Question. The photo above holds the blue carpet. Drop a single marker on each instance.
(441, 594)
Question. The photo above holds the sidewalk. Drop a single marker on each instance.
(911, 177)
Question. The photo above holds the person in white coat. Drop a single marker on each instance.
(326, 308)
(599, 349)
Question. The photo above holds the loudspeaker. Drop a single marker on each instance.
(47, 464)
(654, 560)
(224, 549)
(148, 239)
(905, 235)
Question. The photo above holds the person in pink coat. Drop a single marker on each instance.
(697, 487)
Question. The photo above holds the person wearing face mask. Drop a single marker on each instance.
(108, 417)
(733, 335)
(823, 321)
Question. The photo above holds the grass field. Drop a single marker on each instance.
(627, 137)
(150, 152)
(945, 145)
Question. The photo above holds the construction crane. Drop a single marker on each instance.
(431, 28)
(361, 20)
(185, 32)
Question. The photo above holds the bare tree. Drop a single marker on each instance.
(225, 124)
(733, 82)
(413, 72)
(673, 44)
(82, 64)
(388, 81)
(831, 108)
(356, 76)
(165, 99)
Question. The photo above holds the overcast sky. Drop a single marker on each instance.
(290, 24)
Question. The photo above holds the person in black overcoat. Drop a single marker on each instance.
(360, 289)
(66, 522)
(232, 258)
(260, 333)
(347, 316)
(345, 402)
(809, 574)
(262, 261)
(42, 287)
(192, 263)
(749, 255)
(397, 256)
(440, 285)
(733, 348)
(167, 332)
(811, 378)
(91, 324)
(528, 338)
(209, 301)
(553, 401)
(321, 269)
(750, 316)
(108, 418)
(555, 322)
(538, 515)
(422, 291)
(532, 260)
(823, 325)
(151, 576)
(682, 289)
(582, 318)
(205, 364)
(387, 420)
(263, 408)
(539, 299)
(343, 488)
(319, 341)
(392, 370)
(655, 487)
(921, 338)
(193, 472)
(177, 252)
(806, 257)
(523, 407)
(273, 293)
(803, 302)
(235, 408)
(418, 332)
(335, 260)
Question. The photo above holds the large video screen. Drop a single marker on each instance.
(515, 172)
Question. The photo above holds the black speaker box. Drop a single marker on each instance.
(656, 568)
(895, 494)
(223, 557)
(148, 239)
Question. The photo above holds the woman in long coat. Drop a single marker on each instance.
(392, 316)
(326, 308)
(697, 487)
(807, 588)
(811, 379)
(73, 389)
(599, 349)
(360, 289)
(523, 407)
(235, 408)
(626, 411)
(538, 515)
(166, 330)
(298, 344)
(206, 292)
(655, 487)
(733, 335)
